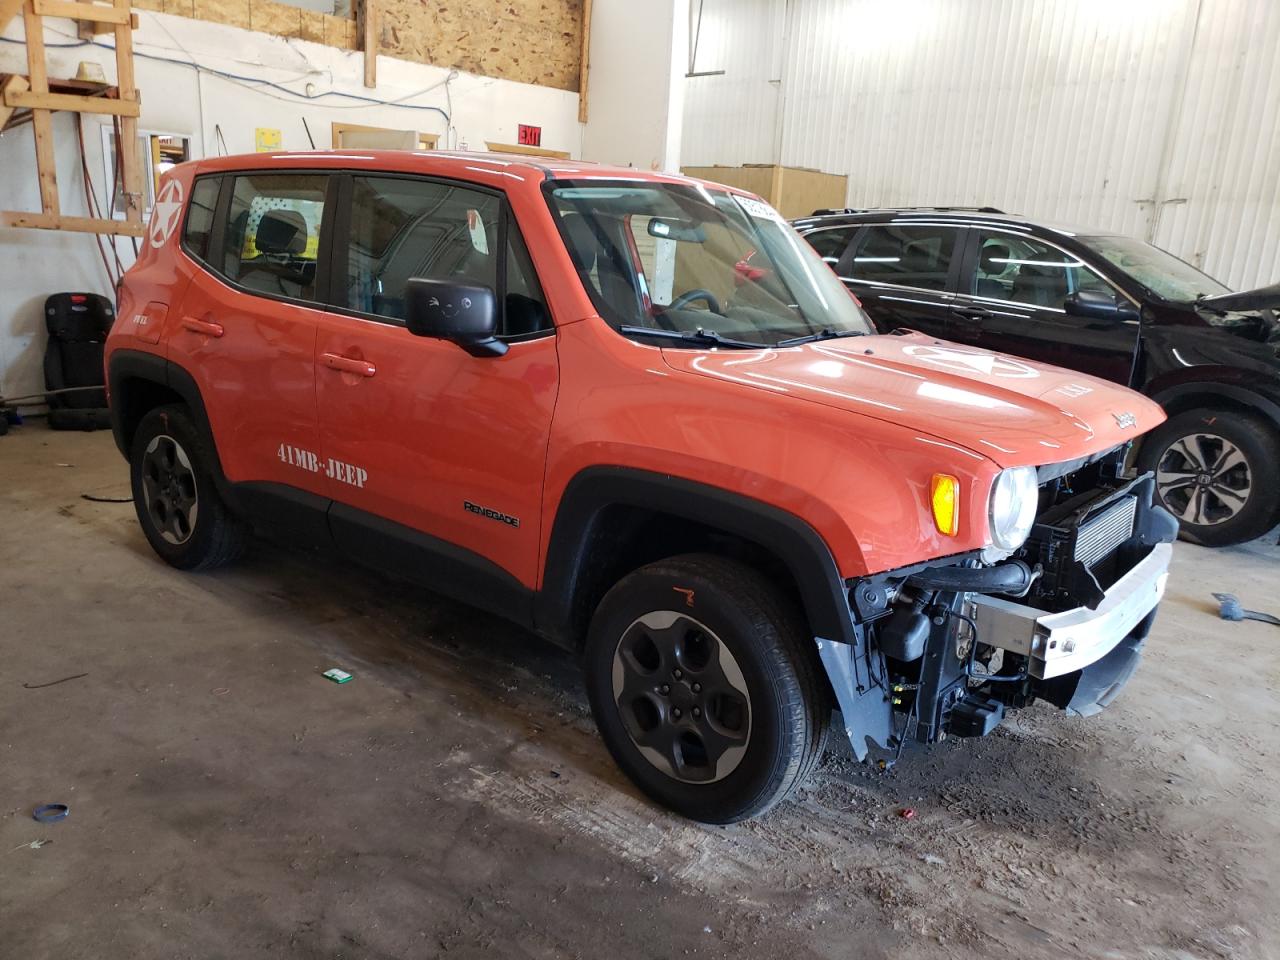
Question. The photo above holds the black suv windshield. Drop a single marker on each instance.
(682, 259)
(1162, 273)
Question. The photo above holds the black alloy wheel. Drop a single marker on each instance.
(170, 493)
(706, 685)
(177, 501)
(682, 697)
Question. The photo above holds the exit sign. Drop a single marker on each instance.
(530, 136)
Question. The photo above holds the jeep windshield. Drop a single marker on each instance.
(1162, 273)
(698, 268)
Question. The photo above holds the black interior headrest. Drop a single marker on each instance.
(281, 231)
(991, 253)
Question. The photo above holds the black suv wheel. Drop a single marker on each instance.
(1213, 472)
(184, 519)
(705, 688)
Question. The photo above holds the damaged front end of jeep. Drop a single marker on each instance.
(946, 648)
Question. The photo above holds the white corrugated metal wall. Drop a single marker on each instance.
(1157, 118)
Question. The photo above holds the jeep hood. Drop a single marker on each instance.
(1010, 410)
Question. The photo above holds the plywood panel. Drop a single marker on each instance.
(754, 178)
(803, 191)
(235, 13)
(531, 41)
(313, 26)
(278, 18)
(794, 191)
(339, 32)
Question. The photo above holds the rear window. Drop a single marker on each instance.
(905, 255)
(204, 198)
(272, 234)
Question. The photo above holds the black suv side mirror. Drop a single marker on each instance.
(462, 313)
(1096, 305)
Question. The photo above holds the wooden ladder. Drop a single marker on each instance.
(33, 93)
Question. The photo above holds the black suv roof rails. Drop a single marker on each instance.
(826, 211)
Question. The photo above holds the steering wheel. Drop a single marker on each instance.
(697, 293)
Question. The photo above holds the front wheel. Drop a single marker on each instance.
(705, 687)
(1212, 470)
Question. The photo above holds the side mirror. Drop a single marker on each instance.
(1096, 305)
(462, 313)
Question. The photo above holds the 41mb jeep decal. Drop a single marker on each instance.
(334, 469)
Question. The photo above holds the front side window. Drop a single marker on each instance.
(405, 228)
(1024, 270)
(272, 236)
(906, 255)
(1160, 272)
(675, 258)
(401, 229)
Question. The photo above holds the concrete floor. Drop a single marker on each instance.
(226, 801)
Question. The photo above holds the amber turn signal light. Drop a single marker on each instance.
(944, 497)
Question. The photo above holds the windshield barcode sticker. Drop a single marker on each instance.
(757, 208)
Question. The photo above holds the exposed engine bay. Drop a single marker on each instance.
(946, 648)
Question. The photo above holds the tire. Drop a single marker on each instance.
(183, 517)
(715, 739)
(1213, 472)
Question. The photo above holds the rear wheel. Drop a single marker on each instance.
(178, 506)
(704, 685)
(1213, 472)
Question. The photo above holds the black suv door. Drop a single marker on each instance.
(1012, 297)
(902, 273)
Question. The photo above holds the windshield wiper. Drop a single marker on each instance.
(826, 333)
(699, 336)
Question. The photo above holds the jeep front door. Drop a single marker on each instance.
(902, 273)
(1012, 299)
(434, 457)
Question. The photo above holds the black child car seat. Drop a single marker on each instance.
(78, 324)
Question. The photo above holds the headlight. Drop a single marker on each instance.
(1015, 496)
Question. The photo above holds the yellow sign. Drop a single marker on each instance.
(266, 139)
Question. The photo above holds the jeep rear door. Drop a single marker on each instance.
(434, 457)
(902, 272)
(1011, 299)
(246, 327)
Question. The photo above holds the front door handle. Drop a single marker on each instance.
(336, 361)
(973, 314)
(205, 327)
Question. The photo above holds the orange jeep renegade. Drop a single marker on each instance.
(638, 415)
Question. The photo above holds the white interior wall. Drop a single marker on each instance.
(1157, 118)
(636, 85)
(179, 99)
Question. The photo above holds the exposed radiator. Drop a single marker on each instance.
(1106, 530)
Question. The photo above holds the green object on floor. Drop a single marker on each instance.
(337, 676)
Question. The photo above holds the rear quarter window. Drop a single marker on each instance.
(204, 200)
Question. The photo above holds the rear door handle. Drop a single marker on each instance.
(973, 314)
(336, 361)
(206, 327)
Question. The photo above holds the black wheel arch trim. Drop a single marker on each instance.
(126, 365)
(1267, 406)
(823, 592)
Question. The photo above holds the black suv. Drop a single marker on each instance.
(1101, 303)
